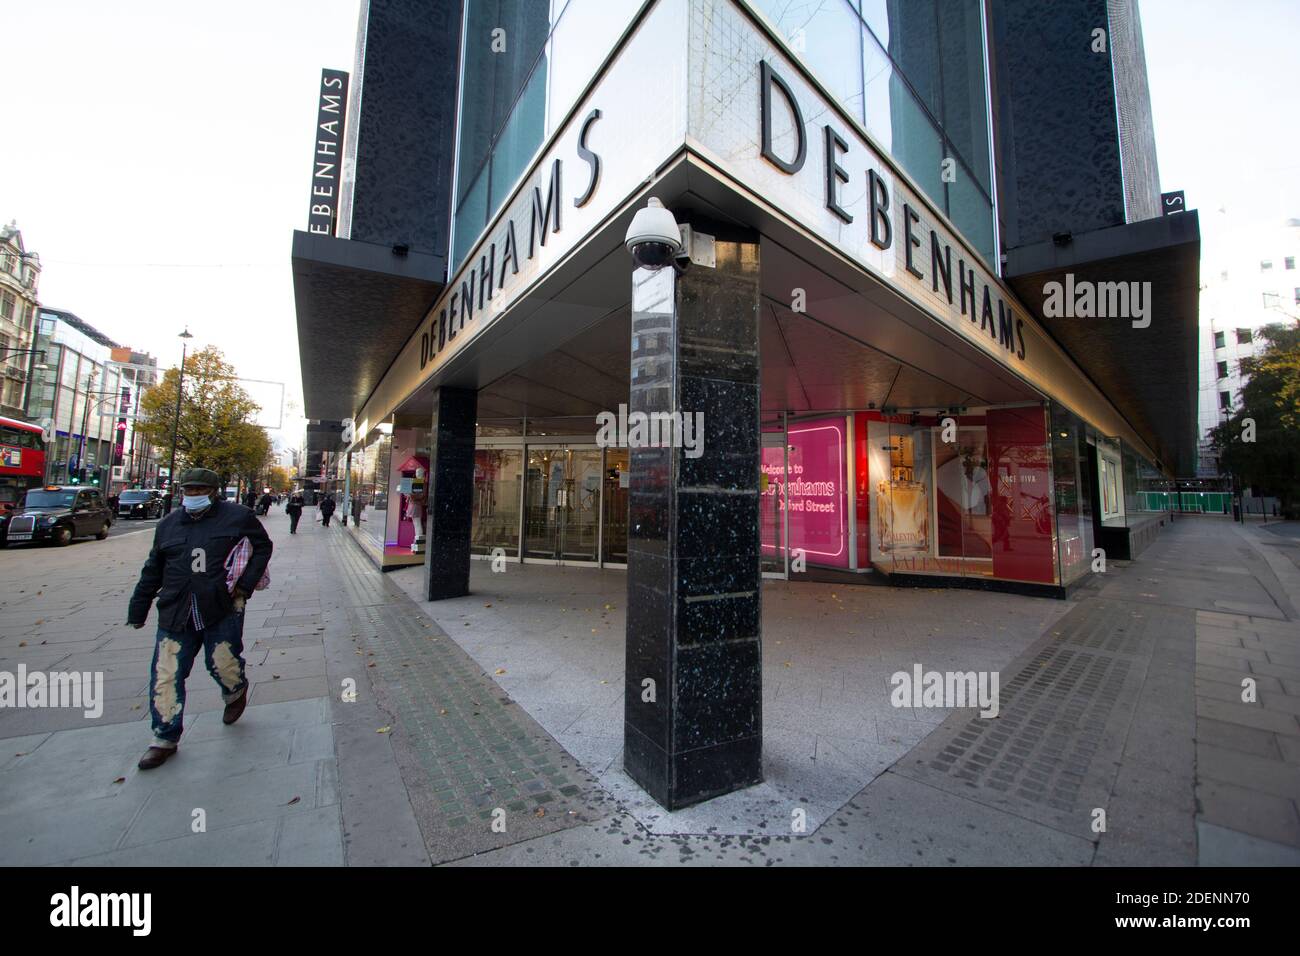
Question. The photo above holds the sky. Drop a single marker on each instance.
(1226, 106)
(157, 153)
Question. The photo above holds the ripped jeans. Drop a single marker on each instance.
(173, 656)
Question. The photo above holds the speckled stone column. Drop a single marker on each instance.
(451, 493)
(693, 705)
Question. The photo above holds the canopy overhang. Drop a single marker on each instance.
(357, 304)
(1148, 371)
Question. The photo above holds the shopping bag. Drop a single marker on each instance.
(238, 561)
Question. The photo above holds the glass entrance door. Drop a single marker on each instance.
(773, 519)
(562, 504)
(614, 519)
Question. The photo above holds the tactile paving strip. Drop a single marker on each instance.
(1051, 753)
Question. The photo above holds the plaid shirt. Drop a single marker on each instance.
(237, 562)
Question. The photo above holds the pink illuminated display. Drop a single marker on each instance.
(815, 492)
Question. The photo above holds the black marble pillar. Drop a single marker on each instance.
(451, 493)
(693, 622)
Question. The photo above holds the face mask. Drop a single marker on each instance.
(196, 502)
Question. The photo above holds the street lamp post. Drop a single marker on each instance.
(176, 424)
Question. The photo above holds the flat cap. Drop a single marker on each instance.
(201, 476)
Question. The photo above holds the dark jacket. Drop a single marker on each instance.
(169, 572)
(294, 507)
(327, 506)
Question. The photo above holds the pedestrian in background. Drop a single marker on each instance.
(197, 608)
(327, 507)
(294, 510)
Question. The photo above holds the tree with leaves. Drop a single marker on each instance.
(1260, 444)
(217, 428)
(278, 478)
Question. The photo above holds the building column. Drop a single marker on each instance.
(451, 493)
(693, 698)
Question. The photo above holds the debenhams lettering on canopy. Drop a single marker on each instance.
(964, 294)
(480, 283)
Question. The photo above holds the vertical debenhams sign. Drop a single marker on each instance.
(327, 158)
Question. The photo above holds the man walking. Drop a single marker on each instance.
(186, 571)
(326, 510)
(294, 510)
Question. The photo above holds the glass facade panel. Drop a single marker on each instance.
(965, 107)
(914, 141)
(519, 139)
(498, 125)
(614, 505)
(921, 90)
(497, 477)
(771, 504)
(970, 211)
(1072, 493)
(370, 492)
(471, 216)
(913, 45)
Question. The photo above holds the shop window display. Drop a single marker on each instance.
(1073, 497)
(978, 504)
(407, 497)
(1110, 480)
(497, 476)
(369, 485)
(806, 490)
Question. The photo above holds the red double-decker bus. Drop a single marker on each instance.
(22, 460)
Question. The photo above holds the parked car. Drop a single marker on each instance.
(58, 513)
(140, 503)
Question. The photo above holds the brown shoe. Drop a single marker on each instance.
(155, 757)
(235, 708)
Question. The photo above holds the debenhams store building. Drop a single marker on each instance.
(903, 366)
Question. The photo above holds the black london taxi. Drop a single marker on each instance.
(57, 513)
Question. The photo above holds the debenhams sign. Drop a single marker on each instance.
(925, 259)
(883, 225)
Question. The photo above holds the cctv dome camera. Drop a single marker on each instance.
(653, 238)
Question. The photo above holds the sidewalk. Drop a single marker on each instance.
(407, 771)
(69, 789)
(1126, 699)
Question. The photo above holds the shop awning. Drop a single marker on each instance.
(1149, 374)
(357, 304)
